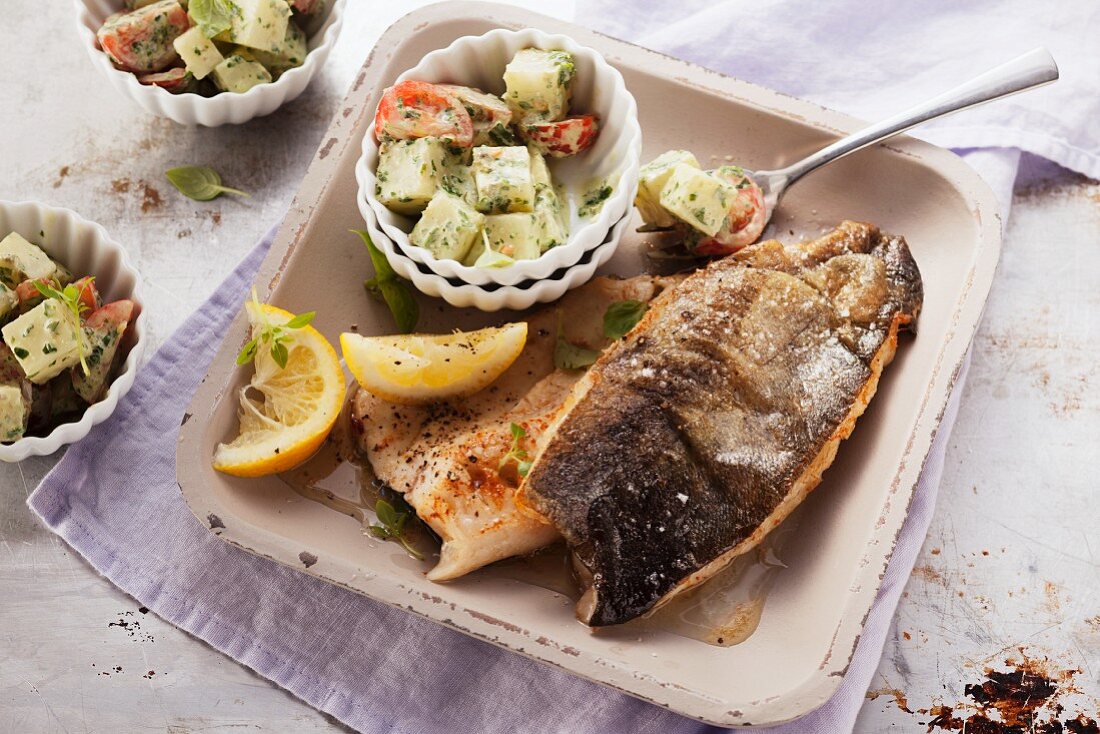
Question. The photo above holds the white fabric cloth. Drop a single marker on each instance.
(871, 59)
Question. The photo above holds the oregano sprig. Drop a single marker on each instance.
(272, 336)
(517, 453)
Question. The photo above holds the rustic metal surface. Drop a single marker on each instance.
(79, 656)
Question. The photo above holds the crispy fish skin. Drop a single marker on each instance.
(683, 447)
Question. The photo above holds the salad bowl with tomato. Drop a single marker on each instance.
(474, 113)
(71, 327)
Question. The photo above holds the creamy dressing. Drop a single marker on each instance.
(593, 197)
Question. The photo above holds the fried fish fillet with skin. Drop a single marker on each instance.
(446, 458)
(685, 445)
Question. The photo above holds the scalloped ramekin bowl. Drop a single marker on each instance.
(599, 89)
(86, 249)
(495, 297)
(221, 109)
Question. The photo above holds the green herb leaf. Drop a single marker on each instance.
(211, 16)
(386, 514)
(621, 317)
(517, 453)
(302, 319)
(493, 259)
(200, 183)
(280, 354)
(386, 286)
(248, 352)
(69, 296)
(402, 304)
(392, 518)
(571, 357)
(274, 336)
(382, 269)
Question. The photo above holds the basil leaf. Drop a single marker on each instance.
(382, 269)
(571, 357)
(212, 16)
(302, 319)
(621, 317)
(400, 504)
(386, 285)
(386, 514)
(405, 309)
(517, 431)
(200, 183)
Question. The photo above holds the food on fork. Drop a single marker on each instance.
(58, 343)
(714, 212)
(208, 46)
(490, 153)
(685, 444)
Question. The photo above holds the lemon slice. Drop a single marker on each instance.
(287, 412)
(421, 368)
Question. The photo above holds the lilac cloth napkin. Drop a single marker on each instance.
(114, 499)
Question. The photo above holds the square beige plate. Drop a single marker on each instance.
(847, 528)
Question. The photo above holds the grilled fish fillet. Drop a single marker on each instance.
(700, 432)
(445, 458)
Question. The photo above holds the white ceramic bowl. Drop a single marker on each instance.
(599, 89)
(86, 249)
(517, 297)
(194, 109)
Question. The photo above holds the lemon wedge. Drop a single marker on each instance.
(285, 412)
(422, 368)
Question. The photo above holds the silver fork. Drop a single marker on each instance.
(1033, 69)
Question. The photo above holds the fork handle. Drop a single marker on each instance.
(1033, 69)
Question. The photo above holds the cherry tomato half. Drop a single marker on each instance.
(419, 110)
(563, 137)
(745, 220)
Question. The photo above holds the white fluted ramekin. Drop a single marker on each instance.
(84, 248)
(516, 297)
(599, 89)
(221, 109)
